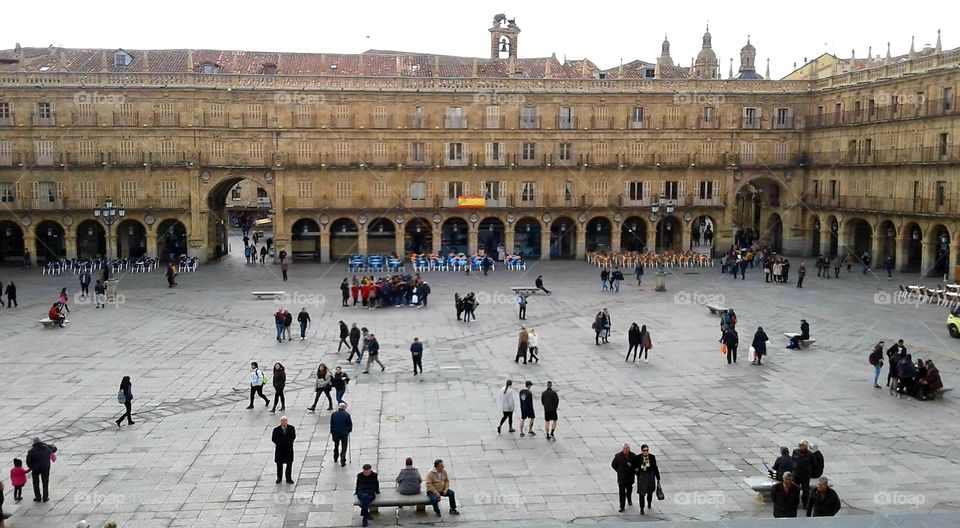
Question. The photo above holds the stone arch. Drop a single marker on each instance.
(831, 224)
(51, 242)
(599, 234)
(223, 213)
(938, 250)
(491, 234)
(418, 236)
(454, 235)
(772, 234)
(171, 239)
(817, 230)
(12, 246)
(305, 235)
(131, 239)
(381, 236)
(527, 237)
(912, 246)
(703, 230)
(754, 198)
(887, 231)
(669, 234)
(633, 234)
(859, 236)
(91, 239)
(563, 238)
(344, 238)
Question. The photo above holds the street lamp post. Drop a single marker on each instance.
(109, 214)
(668, 207)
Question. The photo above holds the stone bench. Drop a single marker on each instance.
(716, 309)
(390, 498)
(941, 392)
(803, 343)
(273, 295)
(761, 485)
(524, 290)
(50, 323)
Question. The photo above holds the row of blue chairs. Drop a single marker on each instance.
(374, 263)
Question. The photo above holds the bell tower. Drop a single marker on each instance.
(503, 37)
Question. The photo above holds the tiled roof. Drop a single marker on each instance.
(372, 63)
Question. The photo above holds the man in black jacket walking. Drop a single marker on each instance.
(344, 292)
(354, 343)
(803, 467)
(283, 437)
(38, 461)
(624, 463)
(786, 497)
(824, 502)
(341, 425)
(550, 402)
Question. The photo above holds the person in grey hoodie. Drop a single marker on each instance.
(409, 480)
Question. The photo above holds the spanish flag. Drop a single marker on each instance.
(472, 201)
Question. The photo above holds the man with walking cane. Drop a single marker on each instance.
(341, 425)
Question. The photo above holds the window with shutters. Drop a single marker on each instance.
(455, 154)
(236, 194)
(127, 152)
(705, 190)
(418, 190)
(455, 189)
(636, 153)
(217, 152)
(747, 152)
(673, 117)
(636, 117)
(637, 191)
(601, 117)
(8, 192)
(528, 191)
(708, 152)
(709, 115)
(528, 151)
(600, 189)
(344, 190)
(671, 190)
(46, 193)
(45, 113)
(380, 152)
(600, 153)
(6, 153)
(168, 152)
(492, 117)
(45, 152)
(381, 189)
(341, 116)
(126, 115)
(565, 151)
(494, 154)
(784, 118)
(256, 151)
(305, 190)
(454, 117)
(86, 115)
(782, 152)
(565, 119)
(381, 119)
(169, 193)
(304, 151)
(751, 117)
(215, 115)
(418, 153)
(529, 117)
(165, 115)
(87, 193)
(254, 116)
(129, 193)
(6, 114)
(342, 151)
(492, 190)
(86, 152)
(566, 191)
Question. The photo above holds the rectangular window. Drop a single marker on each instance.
(6, 153)
(305, 190)
(784, 118)
(708, 152)
(493, 117)
(495, 154)
(236, 194)
(342, 150)
(455, 118)
(304, 151)
(636, 152)
(871, 109)
(344, 190)
(857, 108)
(166, 114)
(127, 152)
(455, 151)
(418, 152)
(492, 190)
(418, 121)
(705, 190)
(45, 151)
(168, 152)
(87, 193)
(216, 110)
(943, 144)
(565, 152)
(381, 189)
(169, 189)
(782, 152)
(709, 114)
(600, 188)
(129, 192)
(341, 116)
(941, 193)
(255, 111)
(45, 110)
(747, 152)
(528, 152)
(600, 153)
(636, 117)
(834, 189)
(894, 104)
(947, 101)
(256, 151)
(528, 191)
(635, 191)
(86, 151)
(671, 190)
(5, 111)
(601, 117)
(751, 118)
(46, 192)
(380, 152)
(529, 117)
(217, 152)
(454, 190)
(303, 112)
(7, 192)
(418, 190)
(838, 113)
(566, 188)
(380, 117)
(565, 118)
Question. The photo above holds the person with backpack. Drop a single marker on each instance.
(257, 379)
(125, 398)
(876, 359)
(99, 295)
(279, 382)
(323, 385)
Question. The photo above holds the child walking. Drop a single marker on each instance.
(18, 477)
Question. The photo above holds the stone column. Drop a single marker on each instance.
(30, 244)
(198, 236)
(876, 250)
(472, 239)
(953, 259)
(545, 242)
(398, 242)
(825, 237)
(615, 238)
(151, 242)
(70, 240)
(581, 233)
(437, 241)
(902, 250)
(111, 244)
(926, 257)
(362, 240)
(509, 240)
(325, 235)
(281, 235)
(685, 236)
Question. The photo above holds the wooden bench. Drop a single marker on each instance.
(390, 498)
(272, 295)
(804, 343)
(50, 323)
(524, 290)
(716, 309)
(763, 487)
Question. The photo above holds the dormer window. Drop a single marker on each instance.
(209, 67)
(269, 68)
(122, 59)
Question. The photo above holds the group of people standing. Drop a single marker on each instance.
(792, 489)
(730, 339)
(395, 290)
(640, 469)
(549, 399)
(904, 377)
(283, 320)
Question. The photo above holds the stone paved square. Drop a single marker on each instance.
(196, 457)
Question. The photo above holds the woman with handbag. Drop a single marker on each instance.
(323, 386)
(279, 382)
(648, 477)
(125, 396)
(645, 343)
(759, 345)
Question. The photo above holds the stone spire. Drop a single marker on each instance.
(913, 52)
(767, 73)
(888, 51)
(938, 48)
(730, 75)
(665, 59)
(146, 61)
(706, 65)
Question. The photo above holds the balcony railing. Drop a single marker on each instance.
(126, 158)
(919, 205)
(84, 119)
(706, 201)
(303, 120)
(637, 125)
(254, 121)
(380, 122)
(708, 124)
(494, 122)
(454, 122)
(602, 123)
(95, 159)
(7, 120)
(214, 120)
(172, 202)
(673, 122)
(419, 121)
(529, 123)
(626, 201)
(942, 154)
(750, 123)
(568, 123)
(43, 120)
(783, 123)
(46, 203)
(164, 119)
(167, 159)
(126, 119)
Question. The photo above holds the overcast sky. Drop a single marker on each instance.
(601, 30)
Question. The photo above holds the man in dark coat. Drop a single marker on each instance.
(38, 461)
(367, 489)
(354, 343)
(786, 497)
(423, 291)
(344, 292)
(824, 502)
(283, 437)
(803, 463)
(341, 425)
(783, 464)
(344, 334)
(624, 464)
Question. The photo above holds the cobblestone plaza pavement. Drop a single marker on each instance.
(196, 457)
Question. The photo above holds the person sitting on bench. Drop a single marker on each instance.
(409, 480)
(539, 284)
(927, 387)
(56, 314)
(804, 335)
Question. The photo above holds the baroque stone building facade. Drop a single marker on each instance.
(372, 153)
